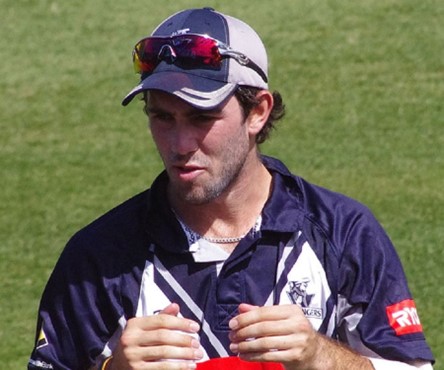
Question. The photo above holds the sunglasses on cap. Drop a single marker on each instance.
(187, 51)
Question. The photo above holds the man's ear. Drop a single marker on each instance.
(259, 114)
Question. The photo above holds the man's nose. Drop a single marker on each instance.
(184, 141)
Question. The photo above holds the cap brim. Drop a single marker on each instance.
(202, 93)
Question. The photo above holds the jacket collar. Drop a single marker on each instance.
(281, 212)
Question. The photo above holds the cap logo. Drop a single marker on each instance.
(180, 32)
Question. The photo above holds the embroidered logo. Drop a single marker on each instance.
(183, 31)
(403, 317)
(40, 364)
(299, 294)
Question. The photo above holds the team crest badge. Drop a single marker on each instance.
(299, 293)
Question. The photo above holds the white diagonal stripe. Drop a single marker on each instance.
(192, 305)
(281, 265)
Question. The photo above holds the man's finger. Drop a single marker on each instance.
(172, 309)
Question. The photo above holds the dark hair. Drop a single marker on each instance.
(247, 97)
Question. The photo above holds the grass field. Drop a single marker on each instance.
(363, 84)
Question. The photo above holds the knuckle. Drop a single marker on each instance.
(127, 338)
(166, 320)
(161, 320)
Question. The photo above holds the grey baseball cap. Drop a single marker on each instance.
(206, 88)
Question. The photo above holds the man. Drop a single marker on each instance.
(228, 260)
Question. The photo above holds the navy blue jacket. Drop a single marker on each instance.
(315, 248)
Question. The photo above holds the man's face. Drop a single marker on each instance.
(203, 151)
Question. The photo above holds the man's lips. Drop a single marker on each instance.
(187, 172)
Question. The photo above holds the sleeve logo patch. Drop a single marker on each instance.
(403, 317)
(41, 340)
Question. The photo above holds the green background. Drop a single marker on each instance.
(362, 81)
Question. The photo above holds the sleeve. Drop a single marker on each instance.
(377, 315)
(79, 310)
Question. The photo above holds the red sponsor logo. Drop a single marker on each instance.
(403, 317)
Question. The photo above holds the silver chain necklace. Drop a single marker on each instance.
(197, 236)
(227, 240)
(222, 240)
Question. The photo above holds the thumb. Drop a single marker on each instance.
(172, 309)
(245, 307)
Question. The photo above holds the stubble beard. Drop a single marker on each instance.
(232, 163)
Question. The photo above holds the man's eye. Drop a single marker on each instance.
(161, 117)
(204, 118)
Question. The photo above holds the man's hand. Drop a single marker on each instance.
(147, 342)
(283, 334)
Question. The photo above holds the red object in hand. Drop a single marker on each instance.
(235, 363)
